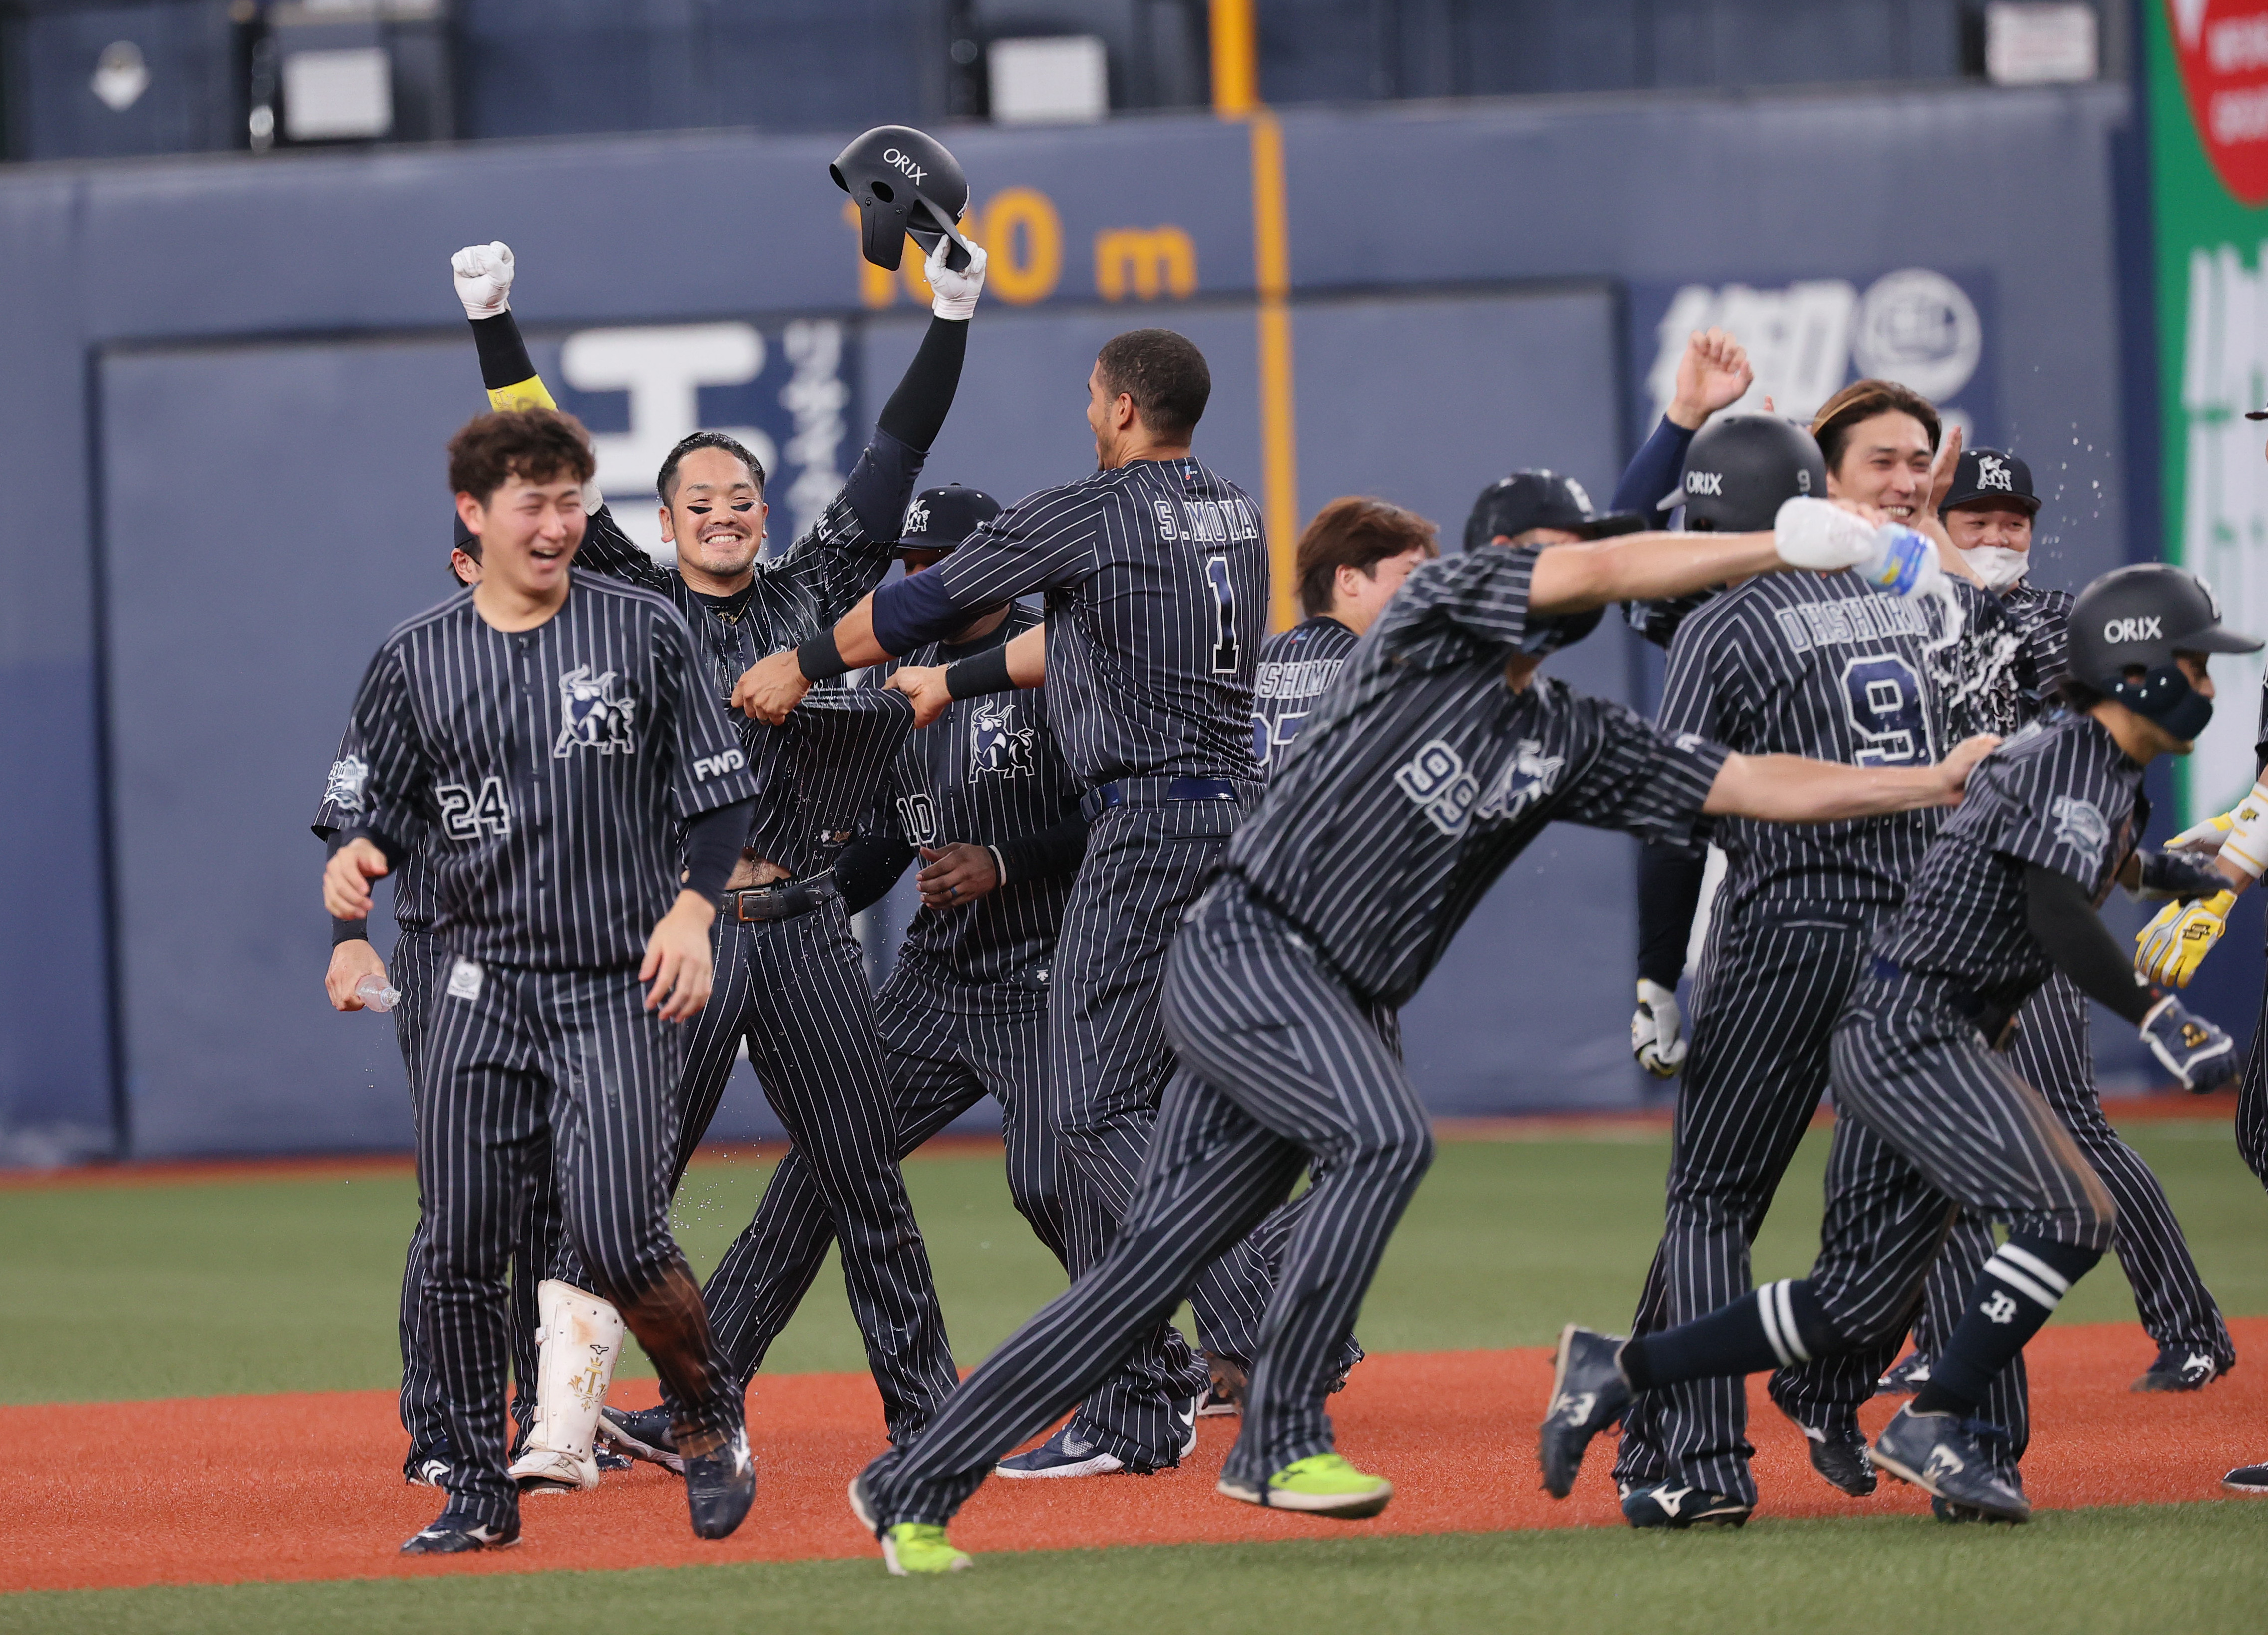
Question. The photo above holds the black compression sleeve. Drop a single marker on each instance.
(916, 412)
(2064, 921)
(1055, 850)
(712, 846)
(985, 673)
(1669, 896)
(866, 869)
(504, 355)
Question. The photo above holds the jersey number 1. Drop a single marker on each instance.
(1224, 596)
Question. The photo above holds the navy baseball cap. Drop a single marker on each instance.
(1541, 499)
(1984, 474)
(939, 519)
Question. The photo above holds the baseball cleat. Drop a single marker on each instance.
(720, 1486)
(1943, 1457)
(2251, 1480)
(1588, 1394)
(642, 1434)
(455, 1533)
(607, 1459)
(1322, 1484)
(1226, 1393)
(2181, 1368)
(547, 1470)
(1066, 1453)
(917, 1549)
(1839, 1453)
(1906, 1378)
(1670, 1505)
(429, 1468)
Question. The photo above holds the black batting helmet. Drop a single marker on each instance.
(903, 181)
(2138, 618)
(941, 519)
(1739, 469)
(1539, 499)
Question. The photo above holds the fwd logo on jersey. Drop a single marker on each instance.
(1809, 336)
(706, 767)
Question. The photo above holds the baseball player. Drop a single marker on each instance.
(1931, 1121)
(1351, 560)
(1435, 758)
(1156, 575)
(1821, 667)
(533, 739)
(1988, 514)
(790, 979)
(982, 798)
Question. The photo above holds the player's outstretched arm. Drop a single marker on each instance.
(1823, 536)
(1015, 665)
(1790, 788)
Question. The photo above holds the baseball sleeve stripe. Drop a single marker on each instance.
(2034, 1266)
(2022, 1284)
(1767, 1308)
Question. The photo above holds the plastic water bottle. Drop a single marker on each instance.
(1904, 564)
(375, 994)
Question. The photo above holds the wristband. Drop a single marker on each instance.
(350, 930)
(986, 672)
(999, 867)
(2247, 845)
(820, 659)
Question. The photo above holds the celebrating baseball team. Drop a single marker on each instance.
(1177, 877)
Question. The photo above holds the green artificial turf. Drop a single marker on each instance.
(2077, 1573)
(290, 1285)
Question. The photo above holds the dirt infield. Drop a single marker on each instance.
(226, 1490)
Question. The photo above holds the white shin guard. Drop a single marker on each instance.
(581, 1335)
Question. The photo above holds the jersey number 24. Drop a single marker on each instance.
(465, 815)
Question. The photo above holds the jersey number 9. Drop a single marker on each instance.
(1888, 712)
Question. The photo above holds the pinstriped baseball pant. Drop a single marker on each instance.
(1109, 1063)
(2051, 1054)
(1282, 1071)
(796, 990)
(418, 968)
(942, 1057)
(1931, 1124)
(2252, 1098)
(1764, 1014)
(565, 1070)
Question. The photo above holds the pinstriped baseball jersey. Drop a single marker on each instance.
(1156, 575)
(987, 772)
(793, 598)
(2060, 794)
(413, 886)
(1295, 665)
(1421, 754)
(1820, 665)
(540, 770)
(2043, 622)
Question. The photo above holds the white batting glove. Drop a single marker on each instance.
(483, 274)
(2203, 841)
(954, 293)
(1657, 1030)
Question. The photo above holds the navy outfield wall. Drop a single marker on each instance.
(230, 380)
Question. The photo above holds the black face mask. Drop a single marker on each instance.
(2165, 697)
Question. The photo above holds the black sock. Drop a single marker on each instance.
(1779, 1323)
(2012, 1297)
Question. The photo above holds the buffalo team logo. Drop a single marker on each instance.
(343, 788)
(998, 748)
(1529, 777)
(917, 518)
(2079, 825)
(1993, 472)
(594, 714)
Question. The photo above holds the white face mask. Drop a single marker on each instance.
(1997, 565)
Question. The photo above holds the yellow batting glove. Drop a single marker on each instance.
(2203, 840)
(2169, 949)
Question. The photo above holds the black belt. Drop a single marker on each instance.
(1996, 1022)
(783, 899)
(1151, 791)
